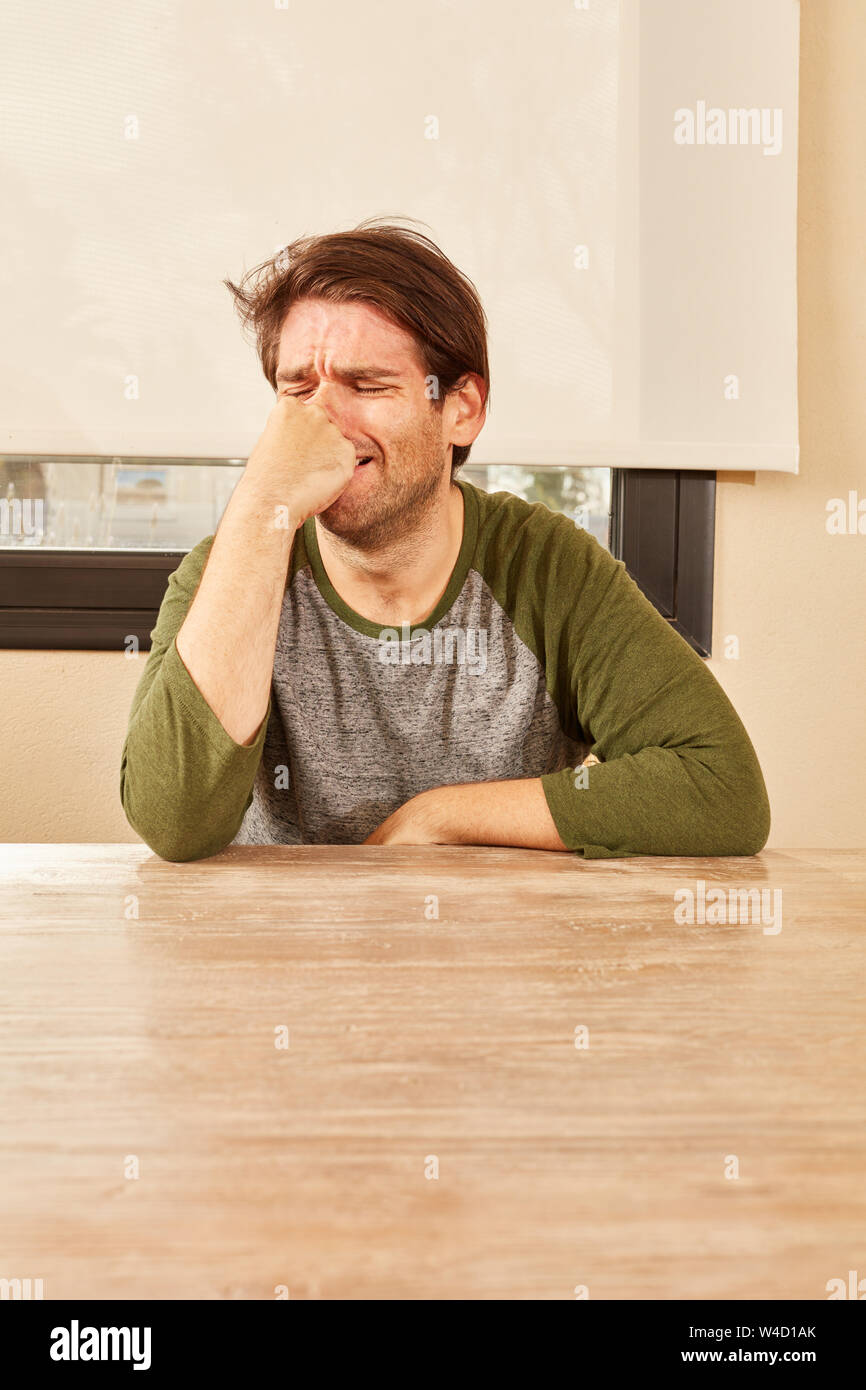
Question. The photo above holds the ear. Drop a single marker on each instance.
(468, 400)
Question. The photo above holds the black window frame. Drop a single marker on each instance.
(662, 525)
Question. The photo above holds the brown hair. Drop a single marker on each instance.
(400, 271)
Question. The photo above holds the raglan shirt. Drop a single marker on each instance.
(541, 650)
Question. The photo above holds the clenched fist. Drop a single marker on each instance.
(302, 457)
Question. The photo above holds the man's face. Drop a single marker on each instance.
(385, 413)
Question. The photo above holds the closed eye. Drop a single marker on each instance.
(362, 391)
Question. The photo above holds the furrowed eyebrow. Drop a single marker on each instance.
(286, 374)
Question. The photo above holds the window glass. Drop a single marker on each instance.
(171, 504)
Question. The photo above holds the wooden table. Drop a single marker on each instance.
(141, 1009)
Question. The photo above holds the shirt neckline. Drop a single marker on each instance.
(455, 583)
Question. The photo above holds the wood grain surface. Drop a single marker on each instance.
(141, 1003)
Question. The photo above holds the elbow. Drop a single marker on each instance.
(174, 848)
(169, 841)
(179, 851)
(756, 829)
(173, 844)
(749, 839)
(754, 809)
(743, 825)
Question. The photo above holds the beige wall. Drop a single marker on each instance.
(793, 596)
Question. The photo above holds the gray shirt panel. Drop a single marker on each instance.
(352, 737)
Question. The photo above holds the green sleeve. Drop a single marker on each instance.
(679, 774)
(184, 782)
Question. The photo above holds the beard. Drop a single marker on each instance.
(392, 504)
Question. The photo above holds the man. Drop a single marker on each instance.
(373, 651)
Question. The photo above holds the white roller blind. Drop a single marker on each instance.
(594, 168)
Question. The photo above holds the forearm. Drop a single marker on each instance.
(493, 813)
(228, 638)
(704, 802)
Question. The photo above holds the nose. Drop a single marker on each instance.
(336, 401)
(325, 395)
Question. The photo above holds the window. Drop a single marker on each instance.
(87, 545)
